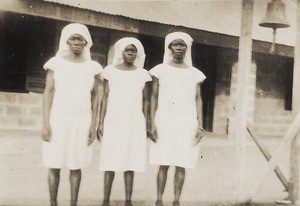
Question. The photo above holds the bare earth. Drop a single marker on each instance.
(24, 178)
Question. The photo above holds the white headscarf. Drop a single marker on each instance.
(188, 41)
(67, 32)
(121, 44)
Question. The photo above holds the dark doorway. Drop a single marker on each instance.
(274, 77)
(14, 49)
(26, 43)
(154, 49)
(205, 59)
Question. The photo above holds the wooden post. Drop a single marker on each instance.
(294, 192)
(244, 67)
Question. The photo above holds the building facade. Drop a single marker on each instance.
(31, 31)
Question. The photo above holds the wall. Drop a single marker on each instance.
(269, 98)
(272, 114)
(20, 111)
(270, 117)
(225, 103)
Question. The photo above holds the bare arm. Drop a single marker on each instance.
(199, 105)
(103, 108)
(146, 98)
(47, 105)
(95, 105)
(153, 107)
(199, 114)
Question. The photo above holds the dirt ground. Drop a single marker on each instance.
(23, 178)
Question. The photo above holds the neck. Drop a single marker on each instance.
(178, 64)
(75, 57)
(177, 61)
(126, 66)
(129, 65)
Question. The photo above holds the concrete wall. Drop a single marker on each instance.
(20, 111)
(224, 114)
(270, 118)
(269, 96)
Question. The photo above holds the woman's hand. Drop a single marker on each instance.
(92, 135)
(100, 132)
(46, 132)
(153, 134)
(199, 135)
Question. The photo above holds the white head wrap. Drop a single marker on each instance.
(70, 30)
(121, 44)
(188, 41)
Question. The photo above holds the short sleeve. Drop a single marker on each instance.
(97, 68)
(51, 64)
(156, 71)
(200, 77)
(106, 72)
(146, 76)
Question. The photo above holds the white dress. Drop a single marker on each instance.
(176, 116)
(124, 134)
(70, 116)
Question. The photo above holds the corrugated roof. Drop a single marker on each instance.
(218, 16)
(200, 15)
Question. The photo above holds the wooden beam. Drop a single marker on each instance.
(272, 164)
(268, 156)
(294, 193)
(241, 103)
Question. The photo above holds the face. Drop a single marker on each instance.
(76, 43)
(129, 54)
(178, 48)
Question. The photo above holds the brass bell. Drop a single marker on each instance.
(275, 18)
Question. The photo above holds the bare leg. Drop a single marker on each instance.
(108, 180)
(75, 179)
(161, 182)
(53, 181)
(128, 179)
(178, 183)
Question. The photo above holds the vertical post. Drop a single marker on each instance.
(244, 67)
(294, 192)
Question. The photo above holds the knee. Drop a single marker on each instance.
(54, 172)
(75, 172)
(180, 170)
(109, 173)
(163, 169)
(128, 172)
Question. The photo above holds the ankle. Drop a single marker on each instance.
(105, 203)
(128, 203)
(53, 203)
(175, 203)
(159, 203)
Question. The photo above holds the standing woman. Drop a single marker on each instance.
(69, 108)
(123, 116)
(176, 113)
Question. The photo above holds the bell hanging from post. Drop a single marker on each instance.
(275, 18)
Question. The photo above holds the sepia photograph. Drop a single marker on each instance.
(149, 102)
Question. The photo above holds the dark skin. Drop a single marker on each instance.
(76, 45)
(129, 55)
(178, 49)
